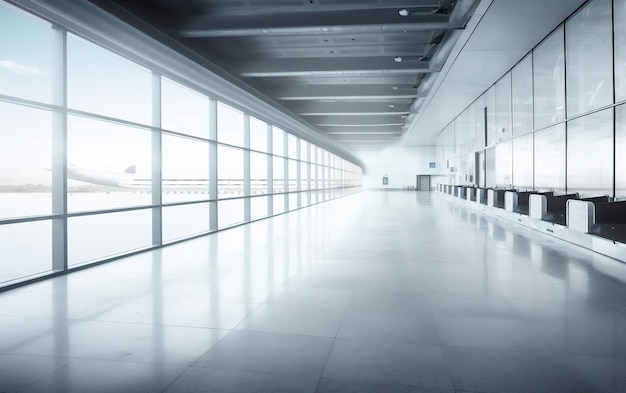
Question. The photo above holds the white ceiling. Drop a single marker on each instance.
(498, 35)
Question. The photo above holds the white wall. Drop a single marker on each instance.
(400, 164)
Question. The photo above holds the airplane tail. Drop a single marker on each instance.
(131, 169)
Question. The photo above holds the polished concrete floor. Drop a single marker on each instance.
(378, 292)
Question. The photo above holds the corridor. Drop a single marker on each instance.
(376, 292)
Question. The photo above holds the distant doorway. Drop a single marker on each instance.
(422, 183)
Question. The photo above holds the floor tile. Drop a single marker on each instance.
(94, 376)
(200, 380)
(158, 344)
(19, 371)
(604, 375)
(269, 353)
(499, 333)
(293, 320)
(498, 371)
(388, 363)
(338, 386)
(389, 325)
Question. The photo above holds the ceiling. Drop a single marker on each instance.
(367, 73)
(353, 69)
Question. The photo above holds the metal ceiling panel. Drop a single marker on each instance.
(328, 61)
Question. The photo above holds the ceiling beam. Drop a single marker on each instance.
(348, 21)
(359, 66)
(346, 107)
(235, 8)
(342, 91)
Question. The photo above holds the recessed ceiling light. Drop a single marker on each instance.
(392, 106)
(397, 59)
(404, 12)
(394, 87)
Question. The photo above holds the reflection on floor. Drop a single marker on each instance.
(378, 292)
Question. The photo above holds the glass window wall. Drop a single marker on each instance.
(185, 169)
(115, 147)
(26, 249)
(589, 46)
(620, 151)
(25, 165)
(503, 108)
(523, 161)
(550, 158)
(522, 96)
(185, 220)
(258, 173)
(124, 89)
(99, 236)
(229, 125)
(26, 63)
(620, 49)
(504, 163)
(549, 80)
(109, 165)
(184, 110)
(258, 135)
(229, 172)
(590, 154)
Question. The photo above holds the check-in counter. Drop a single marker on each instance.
(461, 192)
(580, 213)
(519, 201)
(482, 196)
(495, 197)
(551, 208)
(470, 194)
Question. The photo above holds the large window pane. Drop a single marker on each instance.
(279, 174)
(523, 161)
(503, 108)
(229, 172)
(278, 141)
(229, 125)
(460, 132)
(230, 212)
(550, 158)
(490, 167)
(589, 66)
(25, 64)
(479, 111)
(590, 154)
(304, 176)
(184, 110)
(258, 173)
(279, 203)
(109, 165)
(471, 128)
(104, 235)
(26, 249)
(620, 151)
(293, 175)
(304, 150)
(293, 201)
(490, 105)
(25, 161)
(258, 135)
(258, 207)
(549, 80)
(292, 146)
(620, 49)
(185, 220)
(522, 96)
(185, 169)
(99, 81)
